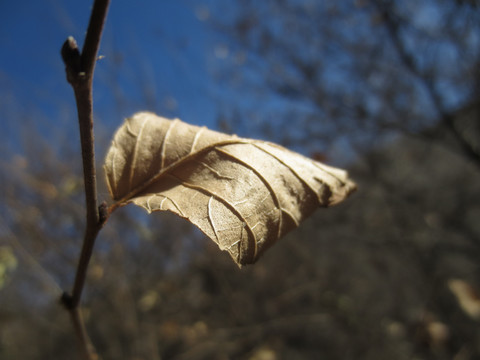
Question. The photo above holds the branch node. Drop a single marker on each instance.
(72, 59)
(103, 212)
(67, 301)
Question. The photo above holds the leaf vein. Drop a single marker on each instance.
(232, 208)
(300, 178)
(136, 149)
(272, 192)
(132, 192)
(195, 140)
(210, 218)
(163, 151)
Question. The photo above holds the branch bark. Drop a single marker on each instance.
(79, 69)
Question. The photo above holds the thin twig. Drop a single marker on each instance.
(79, 69)
(87, 348)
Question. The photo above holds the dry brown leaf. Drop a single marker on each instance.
(243, 194)
(467, 296)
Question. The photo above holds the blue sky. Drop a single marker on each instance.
(158, 56)
(165, 56)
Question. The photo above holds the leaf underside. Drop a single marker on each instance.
(243, 194)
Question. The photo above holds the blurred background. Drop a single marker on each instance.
(389, 90)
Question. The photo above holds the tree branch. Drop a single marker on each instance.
(79, 68)
(87, 348)
(446, 118)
